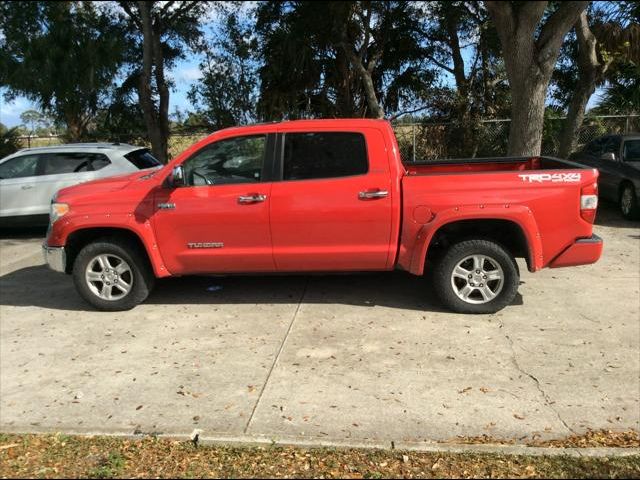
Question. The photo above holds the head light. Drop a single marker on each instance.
(57, 211)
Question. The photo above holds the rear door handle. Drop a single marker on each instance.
(26, 187)
(253, 198)
(372, 194)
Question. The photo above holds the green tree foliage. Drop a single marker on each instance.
(161, 33)
(622, 94)
(465, 45)
(9, 141)
(340, 59)
(227, 92)
(62, 56)
(604, 45)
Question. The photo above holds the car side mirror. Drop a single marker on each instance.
(177, 179)
(610, 156)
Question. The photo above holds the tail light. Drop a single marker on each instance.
(589, 202)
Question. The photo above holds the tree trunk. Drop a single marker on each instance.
(375, 108)
(76, 128)
(575, 116)
(154, 127)
(75, 132)
(527, 118)
(163, 92)
(590, 70)
(530, 51)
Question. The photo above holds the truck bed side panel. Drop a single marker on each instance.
(547, 209)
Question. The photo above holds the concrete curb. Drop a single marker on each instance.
(434, 447)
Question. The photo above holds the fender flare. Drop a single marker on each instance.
(123, 222)
(520, 215)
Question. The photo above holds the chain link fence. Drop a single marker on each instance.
(426, 140)
(429, 141)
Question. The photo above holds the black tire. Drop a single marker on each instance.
(630, 211)
(140, 275)
(443, 280)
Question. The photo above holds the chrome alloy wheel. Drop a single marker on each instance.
(109, 277)
(626, 201)
(477, 279)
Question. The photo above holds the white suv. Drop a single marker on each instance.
(30, 177)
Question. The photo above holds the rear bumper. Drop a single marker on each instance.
(583, 252)
(55, 257)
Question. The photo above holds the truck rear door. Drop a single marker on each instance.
(332, 208)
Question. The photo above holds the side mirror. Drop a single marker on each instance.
(610, 156)
(177, 179)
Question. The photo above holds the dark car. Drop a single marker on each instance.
(617, 157)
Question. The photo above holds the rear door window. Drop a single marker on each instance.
(324, 155)
(595, 147)
(631, 151)
(142, 159)
(612, 146)
(72, 162)
(19, 167)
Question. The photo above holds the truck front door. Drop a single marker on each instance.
(219, 221)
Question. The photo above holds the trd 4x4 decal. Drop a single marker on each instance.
(551, 177)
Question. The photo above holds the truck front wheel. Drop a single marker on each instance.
(476, 276)
(112, 275)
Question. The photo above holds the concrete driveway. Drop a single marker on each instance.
(367, 358)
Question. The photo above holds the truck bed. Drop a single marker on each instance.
(489, 164)
(539, 194)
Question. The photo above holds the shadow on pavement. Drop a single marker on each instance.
(40, 287)
(609, 216)
(20, 233)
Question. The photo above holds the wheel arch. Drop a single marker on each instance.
(79, 238)
(506, 232)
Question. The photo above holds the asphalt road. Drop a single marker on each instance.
(324, 358)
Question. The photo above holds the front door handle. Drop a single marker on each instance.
(253, 198)
(26, 187)
(372, 194)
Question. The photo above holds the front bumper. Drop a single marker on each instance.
(583, 252)
(55, 257)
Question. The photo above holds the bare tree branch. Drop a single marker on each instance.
(440, 64)
(555, 28)
(126, 6)
(405, 112)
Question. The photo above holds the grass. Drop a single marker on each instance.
(65, 456)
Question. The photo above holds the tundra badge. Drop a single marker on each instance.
(205, 244)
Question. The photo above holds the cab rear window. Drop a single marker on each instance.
(142, 159)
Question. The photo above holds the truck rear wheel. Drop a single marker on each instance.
(112, 275)
(476, 276)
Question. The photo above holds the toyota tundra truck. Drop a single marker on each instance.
(324, 196)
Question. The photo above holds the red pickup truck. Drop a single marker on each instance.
(324, 196)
